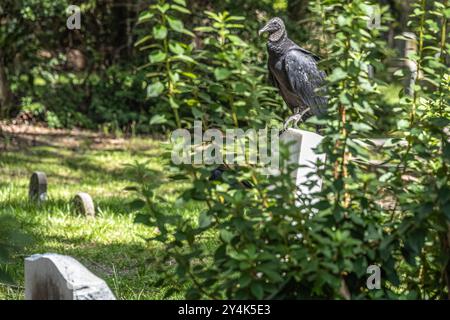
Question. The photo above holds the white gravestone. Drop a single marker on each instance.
(301, 152)
(52, 276)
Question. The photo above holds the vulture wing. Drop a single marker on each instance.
(305, 79)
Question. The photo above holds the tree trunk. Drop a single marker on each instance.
(5, 91)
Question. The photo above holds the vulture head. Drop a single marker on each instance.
(276, 29)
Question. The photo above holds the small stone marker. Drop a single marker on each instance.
(84, 204)
(301, 152)
(52, 276)
(38, 187)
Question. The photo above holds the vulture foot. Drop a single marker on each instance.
(296, 118)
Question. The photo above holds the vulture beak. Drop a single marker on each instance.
(263, 30)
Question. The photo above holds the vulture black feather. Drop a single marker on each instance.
(294, 71)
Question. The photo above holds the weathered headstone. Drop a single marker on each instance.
(38, 187)
(301, 151)
(52, 276)
(84, 204)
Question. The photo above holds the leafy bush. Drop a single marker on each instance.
(232, 89)
(169, 59)
(117, 100)
(220, 81)
(269, 242)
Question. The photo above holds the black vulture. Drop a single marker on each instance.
(294, 71)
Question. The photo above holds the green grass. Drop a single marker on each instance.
(111, 245)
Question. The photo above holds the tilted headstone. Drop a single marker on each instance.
(301, 151)
(84, 204)
(52, 276)
(38, 187)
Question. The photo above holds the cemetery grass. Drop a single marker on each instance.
(111, 245)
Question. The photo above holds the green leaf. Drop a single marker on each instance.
(176, 48)
(155, 89)
(236, 40)
(204, 29)
(180, 9)
(235, 25)
(175, 24)
(212, 15)
(160, 32)
(221, 73)
(158, 119)
(257, 290)
(226, 235)
(337, 75)
(156, 57)
(183, 58)
(180, 2)
(187, 32)
(163, 8)
(244, 280)
(145, 16)
(361, 127)
(197, 113)
(143, 40)
(173, 103)
(204, 220)
(189, 75)
(235, 18)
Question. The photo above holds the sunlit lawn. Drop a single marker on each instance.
(111, 245)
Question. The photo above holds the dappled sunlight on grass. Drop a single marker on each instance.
(111, 245)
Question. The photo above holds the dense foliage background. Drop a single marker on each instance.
(96, 77)
(153, 66)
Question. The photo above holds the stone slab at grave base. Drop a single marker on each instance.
(301, 152)
(52, 276)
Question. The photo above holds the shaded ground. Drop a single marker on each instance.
(110, 245)
(21, 136)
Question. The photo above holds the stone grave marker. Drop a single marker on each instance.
(301, 152)
(38, 187)
(52, 276)
(84, 204)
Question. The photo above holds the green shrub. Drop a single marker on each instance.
(220, 82)
(269, 242)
